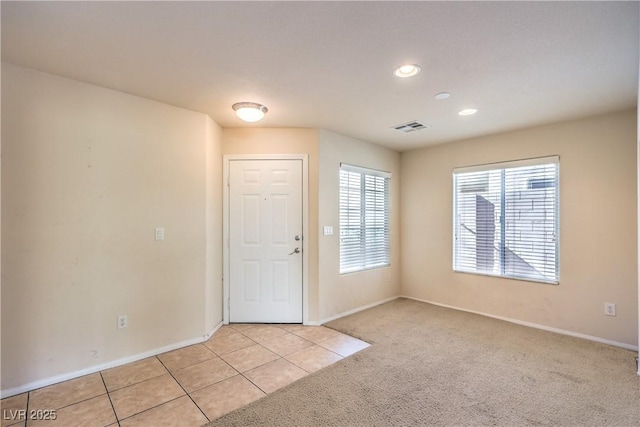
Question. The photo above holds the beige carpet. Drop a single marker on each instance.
(435, 366)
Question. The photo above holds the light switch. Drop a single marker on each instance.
(159, 233)
(328, 230)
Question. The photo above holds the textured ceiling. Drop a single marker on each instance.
(330, 64)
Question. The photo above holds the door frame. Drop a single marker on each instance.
(226, 291)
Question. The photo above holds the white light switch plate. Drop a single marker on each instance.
(159, 233)
(328, 230)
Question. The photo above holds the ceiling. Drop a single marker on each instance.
(330, 64)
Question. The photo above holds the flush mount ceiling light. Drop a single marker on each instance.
(442, 95)
(407, 70)
(249, 111)
(468, 112)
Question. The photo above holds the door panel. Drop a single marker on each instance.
(265, 216)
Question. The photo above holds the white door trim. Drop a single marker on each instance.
(226, 159)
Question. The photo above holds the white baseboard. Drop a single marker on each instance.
(355, 310)
(536, 326)
(97, 368)
(212, 331)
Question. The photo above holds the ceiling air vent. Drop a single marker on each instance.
(410, 127)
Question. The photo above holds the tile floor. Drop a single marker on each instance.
(189, 386)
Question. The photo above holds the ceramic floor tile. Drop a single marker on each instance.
(275, 375)
(145, 393)
(241, 327)
(132, 373)
(178, 412)
(95, 412)
(314, 358)
(249, 358)
(344, 345)
(187, 356)
(316, 333)
(292, 327)
(139, 397)
(66, 393)
(227, 343)
(11, 407)
(263, 332)
(224, 330)
(203, 374)
(226, 396)
(286, 344)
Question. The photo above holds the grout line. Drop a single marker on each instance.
(26, 414)
(115, 414)
(148, 409)
(183, 389)
(72, 403)
(256, 343)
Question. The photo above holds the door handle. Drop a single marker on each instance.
(295, 251)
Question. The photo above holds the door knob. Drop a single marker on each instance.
(295, 251)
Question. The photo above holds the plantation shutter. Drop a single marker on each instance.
(506, 219)
(364, 218)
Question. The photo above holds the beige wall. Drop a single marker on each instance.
(329, 293)
(286, 141)
(343, 293)
(598, 227)
(87, 174)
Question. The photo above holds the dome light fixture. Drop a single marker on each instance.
(249, 111)
(407, 70)
(442, 95)
(467, 112)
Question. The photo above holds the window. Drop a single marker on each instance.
(364, 218)
(506, 219)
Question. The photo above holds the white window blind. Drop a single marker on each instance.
(506, 219)
(364, 218)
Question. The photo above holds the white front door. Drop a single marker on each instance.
(265, 241)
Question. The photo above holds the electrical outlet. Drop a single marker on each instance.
(609, 309)
(123, 322)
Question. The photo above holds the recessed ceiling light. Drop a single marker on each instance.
(442, 95)
(249, 111)
(407, 70)
(468, 112)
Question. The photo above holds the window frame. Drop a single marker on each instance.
(502, 166)
(385, 246)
